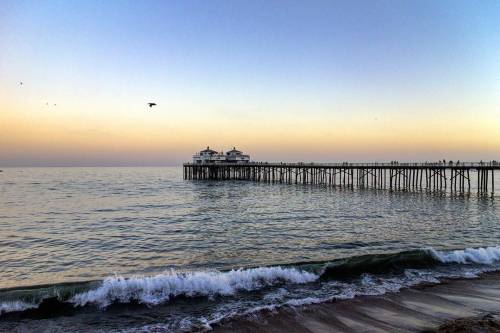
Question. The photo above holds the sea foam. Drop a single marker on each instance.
(160, 288)
(14, 306)
(485, 256)
(154, 290)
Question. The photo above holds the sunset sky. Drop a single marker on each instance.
(281, 80)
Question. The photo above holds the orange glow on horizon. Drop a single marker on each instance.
(153, 136)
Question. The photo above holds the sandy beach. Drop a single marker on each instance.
(471, 305)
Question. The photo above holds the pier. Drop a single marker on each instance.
(455, 177)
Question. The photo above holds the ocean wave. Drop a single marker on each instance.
(373, 274)
(397, 262)
(16, 306)
(161, 288)
(377, 264)
(368, 285)
(484, 256)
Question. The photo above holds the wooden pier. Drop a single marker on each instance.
(455, 177)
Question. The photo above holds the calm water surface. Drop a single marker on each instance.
(60, 224)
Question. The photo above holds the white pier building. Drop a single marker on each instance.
(211, 156)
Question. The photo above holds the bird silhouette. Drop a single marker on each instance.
(151, 104)
(21, 83)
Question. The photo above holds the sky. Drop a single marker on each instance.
(280, 80)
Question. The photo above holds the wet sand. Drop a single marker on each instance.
(420, 309)
(487, 323)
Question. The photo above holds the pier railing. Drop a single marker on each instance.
(364, 164)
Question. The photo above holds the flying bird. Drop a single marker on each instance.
(20, 83)
(151, 104)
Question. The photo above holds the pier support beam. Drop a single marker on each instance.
(396, 176)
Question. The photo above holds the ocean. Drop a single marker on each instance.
(142, 250)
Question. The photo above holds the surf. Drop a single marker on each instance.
(351, 276)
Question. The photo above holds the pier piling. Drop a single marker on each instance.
(394, 176)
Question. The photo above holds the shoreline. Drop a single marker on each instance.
(424, 308)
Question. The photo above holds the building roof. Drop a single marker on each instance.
(234, 151)
(208, 150)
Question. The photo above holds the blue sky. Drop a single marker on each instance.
(283, 69)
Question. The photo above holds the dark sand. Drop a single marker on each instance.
(487, 323)
(420, 309)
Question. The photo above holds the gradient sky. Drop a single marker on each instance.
(281, 80)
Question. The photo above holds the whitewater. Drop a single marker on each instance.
(280, 284)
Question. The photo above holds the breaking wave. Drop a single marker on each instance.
(283, 285)
(16, 306)
(397, 262)
(484, 256)
(161, 288)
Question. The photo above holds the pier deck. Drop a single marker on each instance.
(395, 176)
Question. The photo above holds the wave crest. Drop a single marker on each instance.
(15, 306)
(154, 290)
(483, 255)
(416, 259)
(160, 288)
